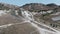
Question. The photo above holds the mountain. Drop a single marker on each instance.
(48, 13)
(13, 21)
(39, 6)
(35, 6)
(33, 18)
(8, 6)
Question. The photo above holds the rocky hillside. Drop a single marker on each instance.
(51, 12)
(8, 6)
(40, 6)
(11, 14)
(13, 19)
(31, 6)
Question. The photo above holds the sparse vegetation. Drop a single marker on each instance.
(27, 27)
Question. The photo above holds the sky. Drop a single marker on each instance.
(23, 2)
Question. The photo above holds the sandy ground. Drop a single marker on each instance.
(25, 28)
